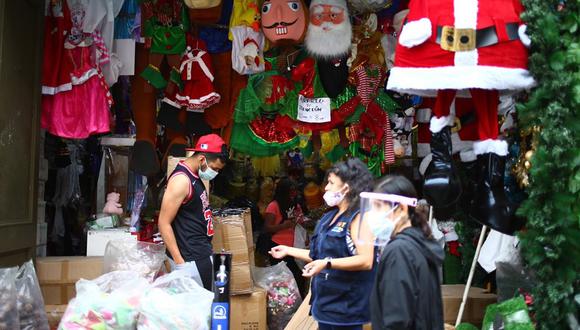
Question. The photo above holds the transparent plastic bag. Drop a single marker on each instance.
(141, 257)
(8, 298)
(175, 302)
(283, 294)
(30, 302)
(110, 301)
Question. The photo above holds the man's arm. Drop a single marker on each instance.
(177, 190)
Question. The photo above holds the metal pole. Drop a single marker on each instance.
(470, 277)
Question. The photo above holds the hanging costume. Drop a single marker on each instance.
(196, 72)
(83, 110)
(477, 48)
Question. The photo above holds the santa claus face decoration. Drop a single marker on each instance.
(329, 32)
(283, 20)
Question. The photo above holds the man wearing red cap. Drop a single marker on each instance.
(185, 220)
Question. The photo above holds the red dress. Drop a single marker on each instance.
(196, 72)
(83, 110)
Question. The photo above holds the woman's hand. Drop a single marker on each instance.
(279, 252)
(312, 269)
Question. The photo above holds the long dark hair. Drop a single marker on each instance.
(357, 176)
(282, 195)
(399, 185)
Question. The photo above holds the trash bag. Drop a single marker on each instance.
(283, 294)
(175, 302)
(110, 301)
(8, 296)
(30, 302)
(141, 257)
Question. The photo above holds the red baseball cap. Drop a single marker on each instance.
(211, 143)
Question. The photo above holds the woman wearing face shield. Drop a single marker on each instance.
(341, 268)
(407, 292)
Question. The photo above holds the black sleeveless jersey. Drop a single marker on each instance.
(193, 223)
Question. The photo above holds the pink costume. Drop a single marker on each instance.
(83, 110)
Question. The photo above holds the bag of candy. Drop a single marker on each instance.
(30, 302)
(110, 301)
(283, 294)
(175, 302)
(8, 296)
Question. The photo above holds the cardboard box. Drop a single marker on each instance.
(248, 312)
(241, 279)
(54, 314)
(231, 235)
(57, 276)
(97, 239)
(477, 302)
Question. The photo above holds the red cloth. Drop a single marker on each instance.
(284, 236)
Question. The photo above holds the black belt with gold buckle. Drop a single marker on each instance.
(457, 40)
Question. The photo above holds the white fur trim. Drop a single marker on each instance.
(497, 147)
(439, 123)
(465, 13)
(425, 163)
(423, 149)
(524, 38)
(416, 32)
(468, 58)
(427, 81)
(423, 115)
(467, 156)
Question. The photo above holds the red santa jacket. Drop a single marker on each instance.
(461, 44)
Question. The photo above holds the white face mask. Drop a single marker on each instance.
(381, 225)
(333, 198)
(207, 174)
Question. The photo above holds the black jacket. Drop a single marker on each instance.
(407, 291)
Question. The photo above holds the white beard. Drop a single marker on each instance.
(329, 44)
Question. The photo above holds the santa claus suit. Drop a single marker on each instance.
(437, 54)
(479, 49)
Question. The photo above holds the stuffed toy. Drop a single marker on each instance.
(328, 40)
(245, 13)
(477, 49)
(112, 206)
(247, 53)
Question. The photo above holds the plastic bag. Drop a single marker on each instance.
(283, 294)
(110, 301)
(8, 296)
(175, 302)
(30, 303)
(141, 257)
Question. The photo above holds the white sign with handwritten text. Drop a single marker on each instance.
(314, 110)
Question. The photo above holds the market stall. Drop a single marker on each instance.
(436, 91)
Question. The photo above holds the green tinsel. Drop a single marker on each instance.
(550, 244)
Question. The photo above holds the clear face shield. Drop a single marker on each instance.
(379, 216)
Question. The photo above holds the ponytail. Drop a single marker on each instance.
(420, 219)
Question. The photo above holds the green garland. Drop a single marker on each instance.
(551, 244)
